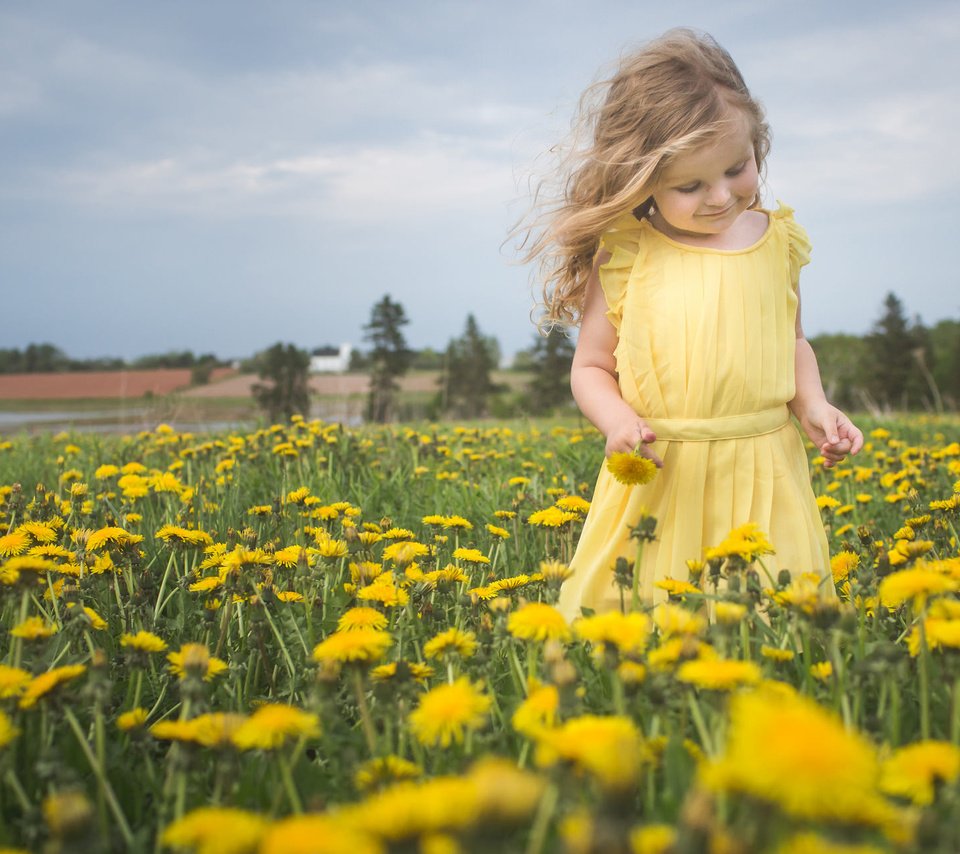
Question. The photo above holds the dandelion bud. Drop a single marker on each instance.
(784, 578)
(67, 813)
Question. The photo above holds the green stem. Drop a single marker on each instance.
(635, 590)
(541, 822)
(924, 675)
(292, 795)
(365, 718)
(101, 776)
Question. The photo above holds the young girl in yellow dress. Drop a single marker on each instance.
(690, 344)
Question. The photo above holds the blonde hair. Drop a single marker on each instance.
(671, 96)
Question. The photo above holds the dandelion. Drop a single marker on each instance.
(184, 537)
(653, 839)
(42, 685)
(447, 711)
(134, 719)
(375, 773)
(13, 681)
(13, 544)
(610, 749)
(471, 556)
(914, 771)
(774, 654)
(676, 620)
(362, 618)
(631, 469)
(746, 542)
(555, 572)
(8, 732)
(821, 771)
(842, 564)
(111, 536)
(317, 834)
(538, 621)
(538, 711)
(455, 641)
(498, 532)
(730, 613)
(217, 830)
(194, 659)
(34, 628)
(719, 674)
(273, 724)
(821, 671)
(405, 552)
(916, 584)
(628, 633)
(551, 517)
(361, 645)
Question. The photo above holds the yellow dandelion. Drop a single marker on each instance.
(730, 613)
(194, 659)
(609, 749)
(538, 621)
(13, 681)
(470, 556)
(405, 552)
(551, 517)
(821, 671)
(676, 620)
(42, 685)
(134, 719)
(842, 563)
(447, 711)
(361, 645)
(821, 771)
(913, 771)
(775, 654)
(34, 628)
(217, 830)
(8, 732)
(631, 469)
(143, 641)
(537, 711)
(719, 674)
(273, 724)
(317, 834)
(628, 633)
(498, 532)
(383, 770)
(916, 584)
(13, 544)
(653, 839)
(455, 641)
(362, 617)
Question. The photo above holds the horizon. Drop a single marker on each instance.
(223, 176)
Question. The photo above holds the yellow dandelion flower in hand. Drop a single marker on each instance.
(631, 469)
(447, 711)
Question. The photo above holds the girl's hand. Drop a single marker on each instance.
(627, 435)
(832, 432)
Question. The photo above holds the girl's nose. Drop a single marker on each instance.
(719, 196)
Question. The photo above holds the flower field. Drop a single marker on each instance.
(310, 638)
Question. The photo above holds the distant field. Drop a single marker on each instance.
(107, 402)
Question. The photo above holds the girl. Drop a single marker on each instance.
(690, 346)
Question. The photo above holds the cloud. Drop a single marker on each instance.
(866, 112)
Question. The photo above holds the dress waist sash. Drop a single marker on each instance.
(724, 427)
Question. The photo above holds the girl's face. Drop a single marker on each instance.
(703, 191)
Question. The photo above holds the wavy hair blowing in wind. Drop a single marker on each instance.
(672, 96)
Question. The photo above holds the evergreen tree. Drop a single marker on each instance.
(389, 358)
(466, 385)
(891, 344)
(285, 368)
(550, 360)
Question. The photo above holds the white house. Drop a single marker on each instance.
(333, 363)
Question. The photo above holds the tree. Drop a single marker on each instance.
(285, 367)
(551, 358)
(891, 344)
(466, 384)
(389, 358)
(844, 362)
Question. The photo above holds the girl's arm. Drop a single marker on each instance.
(593, 377)
(828, 428)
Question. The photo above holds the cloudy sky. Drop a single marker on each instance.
(218, 176)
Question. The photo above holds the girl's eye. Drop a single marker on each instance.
(731, 173)
(689, 188)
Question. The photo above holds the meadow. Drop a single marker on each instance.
(314, 638)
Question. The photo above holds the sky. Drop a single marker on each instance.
(223, 175)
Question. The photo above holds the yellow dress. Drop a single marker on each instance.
(706, 355)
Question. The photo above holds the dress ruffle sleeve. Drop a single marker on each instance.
(622, 241)
(798, 242)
